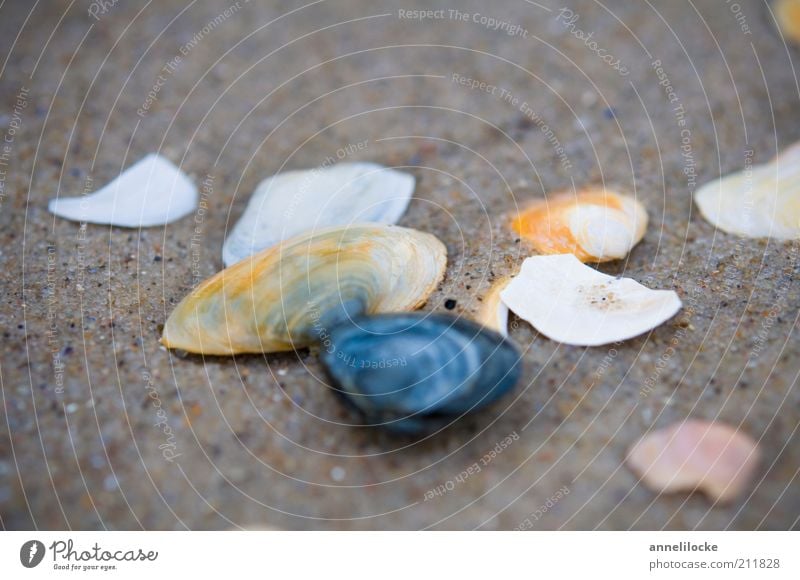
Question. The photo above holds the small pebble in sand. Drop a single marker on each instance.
(714, 458)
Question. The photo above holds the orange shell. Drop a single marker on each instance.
(546, 225)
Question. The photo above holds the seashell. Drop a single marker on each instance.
(787, 15)
(494, 313)
(712, 457)
(570, 302)
(596, 225)
(291, 203)
(416, 372)
(759, 202)
(152, 192)
(289, 296)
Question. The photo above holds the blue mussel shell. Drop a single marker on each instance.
(414, 372)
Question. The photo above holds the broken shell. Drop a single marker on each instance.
(494, 313)
(152, 192)
(759, 202)
(570, 302)
(787, 15)
(596, 225)
(417, 372)
(712, 457)
(294, 202)
(290, 296)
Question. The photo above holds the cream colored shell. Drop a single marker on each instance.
(493, 312)
(712, 457)
(290, 296)
(294, 202)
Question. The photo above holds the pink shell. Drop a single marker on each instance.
(712, 457)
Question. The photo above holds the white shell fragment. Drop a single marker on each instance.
(152, 192)
(712, 457)
(294, 202)
(762, 201)
(572, 303)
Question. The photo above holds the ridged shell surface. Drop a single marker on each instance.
(415, 372)
(291, 296)
(761, 201)
(151, 192)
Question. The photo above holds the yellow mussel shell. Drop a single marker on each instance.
(291, 295)
(596, 225)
